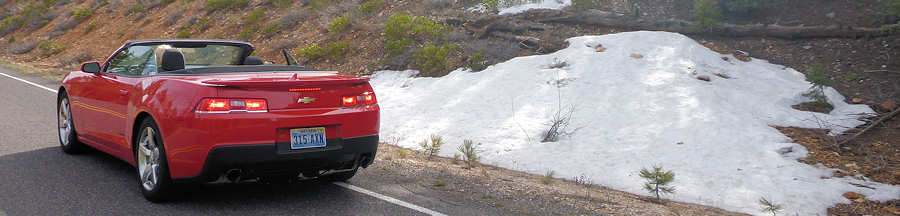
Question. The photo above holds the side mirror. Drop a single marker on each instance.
(90, 67)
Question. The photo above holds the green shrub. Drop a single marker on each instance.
(90, 27)
(547, 178)
(893, 7)
(395, 47)
(819, 81)
(338, 24)
(214, 5)
(769, 206)
(707, 13)
(311, 52)
(255, 17)
(476, 61)
(82, 14)
(370, 7)
(184, 33)
(431, 60)
(49, 48)
(581, 5)
(439, 183)
(11, 39)
(318, 4)
(491, 5)
(403, 25)
(469, 152)
(657, 180)
(891, 29)
(432, 148)
(332, 50)
(852, 76)
(138, 8)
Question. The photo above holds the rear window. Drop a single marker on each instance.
(209, 55)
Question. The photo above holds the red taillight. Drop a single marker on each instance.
(348, 100)
(366, 98)
(369, 98)
(223, 105)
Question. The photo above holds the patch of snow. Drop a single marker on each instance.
(630, 113)
(519, 8)
(545, 4)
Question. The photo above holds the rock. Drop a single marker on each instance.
(807, 47)
(854, 196)
(888, 105)
(637, 56)
(830, 15)
(703, 77)
(892, 210)
(741, 55)
(856, 100)
(600, 48)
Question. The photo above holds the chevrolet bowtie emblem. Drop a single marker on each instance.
(306, 100)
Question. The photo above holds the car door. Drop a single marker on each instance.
(113, 90)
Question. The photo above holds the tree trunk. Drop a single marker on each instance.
(536, 18)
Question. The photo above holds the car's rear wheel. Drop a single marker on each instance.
(68, 138)
(151, 164)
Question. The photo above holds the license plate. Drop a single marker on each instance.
(307, 137)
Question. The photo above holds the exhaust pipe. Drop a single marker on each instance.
(233, 175)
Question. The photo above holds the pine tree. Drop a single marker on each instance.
(769, 206)
(658, 180)
(819, 80)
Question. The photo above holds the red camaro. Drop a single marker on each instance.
(203, 110)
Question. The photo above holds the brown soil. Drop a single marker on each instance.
(523, 192)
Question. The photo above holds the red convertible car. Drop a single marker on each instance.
(206, 110)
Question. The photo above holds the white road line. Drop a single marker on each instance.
(390, 199)
(344, 185)
(29, 82)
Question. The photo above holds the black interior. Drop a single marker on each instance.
(172, 60)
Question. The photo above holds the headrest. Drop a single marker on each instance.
(172, 60)
(253, 60)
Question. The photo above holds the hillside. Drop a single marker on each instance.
(436, 37)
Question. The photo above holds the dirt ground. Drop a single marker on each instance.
(522, 192)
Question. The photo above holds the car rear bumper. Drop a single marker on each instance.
(278, 159)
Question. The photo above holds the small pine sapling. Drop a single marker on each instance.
(658, 180)
(548, 178)
(432, 148)
(769, 206)
(469, 153)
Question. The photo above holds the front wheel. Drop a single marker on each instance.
(151, 164)
(68, 139)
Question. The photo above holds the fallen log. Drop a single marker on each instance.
(877, 122)
(616, 20)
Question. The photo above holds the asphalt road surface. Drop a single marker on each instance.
(36, 178)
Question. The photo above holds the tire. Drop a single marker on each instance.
(341, 176)
(68, 137)
(151, 163)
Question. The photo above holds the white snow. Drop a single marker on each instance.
(546, 4)
(519, 8)
(631, 113)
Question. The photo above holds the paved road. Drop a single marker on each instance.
(36, 178)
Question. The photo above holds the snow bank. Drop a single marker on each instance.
(518, 8)
(632, 113)
(546, 4)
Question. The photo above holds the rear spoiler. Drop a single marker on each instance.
(287, 82)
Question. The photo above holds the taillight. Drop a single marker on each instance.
(369, 98)
(366, 98)
(349, 100)
(227, 105)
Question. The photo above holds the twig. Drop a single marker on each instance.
(877, 122)
(888, 71)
